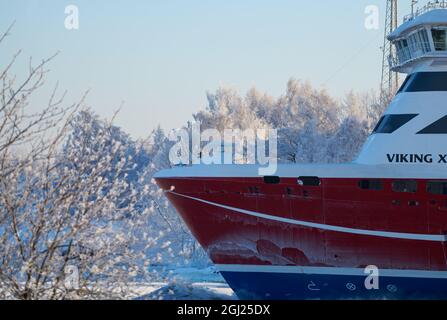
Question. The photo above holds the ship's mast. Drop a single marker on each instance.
(390, 79)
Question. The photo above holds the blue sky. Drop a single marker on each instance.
(160, 57)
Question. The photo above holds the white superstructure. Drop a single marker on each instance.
(413, 129)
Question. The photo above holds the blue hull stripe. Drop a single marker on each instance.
(299, 286)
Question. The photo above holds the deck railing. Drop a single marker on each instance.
(441, 4)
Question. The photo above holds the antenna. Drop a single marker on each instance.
(413, 3)
(390, 79)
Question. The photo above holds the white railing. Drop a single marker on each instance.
(441, 4)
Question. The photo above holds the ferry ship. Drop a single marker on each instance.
(310, 231)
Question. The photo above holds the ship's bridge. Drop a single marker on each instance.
(415, 122)
(421, 38)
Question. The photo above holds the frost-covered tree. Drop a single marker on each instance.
(312, 126)
(346, 143)
(178, 247)
(74, 209)
(226, 109)
(73, 204)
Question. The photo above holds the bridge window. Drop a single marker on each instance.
(415, 43)
(391, 122)
(404, 84)
(402, 50)
(438, 127)
(414, 46)
(372, 184)
(419, 43)
(439, 38)
(437, 187)
(425, 81)
(425, 42)
(409, 186)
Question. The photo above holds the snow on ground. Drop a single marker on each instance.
(191, 291)
(187, 284)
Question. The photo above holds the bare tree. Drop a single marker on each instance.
(66, 207)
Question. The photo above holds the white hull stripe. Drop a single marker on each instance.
(331, 271)
(383, 234)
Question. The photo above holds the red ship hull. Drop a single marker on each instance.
(253, 229)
